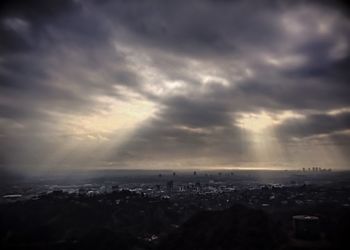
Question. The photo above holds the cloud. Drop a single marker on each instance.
(23, 23)
(316, 124)
(174, 76)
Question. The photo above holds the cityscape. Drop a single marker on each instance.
(156, 210)
(174, 125)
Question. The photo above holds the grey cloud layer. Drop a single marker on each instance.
(316, 124)
(274, 56)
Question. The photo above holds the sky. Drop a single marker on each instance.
(174, 84)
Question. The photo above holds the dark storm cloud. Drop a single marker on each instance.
(195, 113)
(227, 57)
(27, 82)
(199, 28)
(26, 40)
(39, 10)
(309, 94)
(33, 15)
(317, 124)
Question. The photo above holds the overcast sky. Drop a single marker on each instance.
(174, 84)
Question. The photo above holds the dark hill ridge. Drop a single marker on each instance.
(236, 228)
(129, 221)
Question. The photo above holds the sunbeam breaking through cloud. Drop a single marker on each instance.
(180, 84)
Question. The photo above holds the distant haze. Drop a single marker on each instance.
(174, 84)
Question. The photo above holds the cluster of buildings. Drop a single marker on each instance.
(208, 191)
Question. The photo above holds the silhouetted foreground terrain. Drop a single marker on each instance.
(235, 228)
(126, 220)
